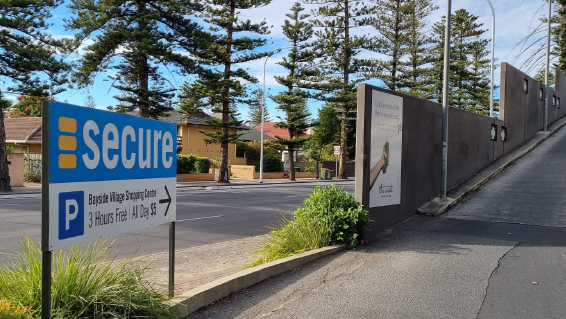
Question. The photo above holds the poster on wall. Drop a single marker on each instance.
(386, 149)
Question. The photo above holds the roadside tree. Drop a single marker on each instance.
(29, 62)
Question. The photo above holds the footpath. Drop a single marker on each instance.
(500, 253)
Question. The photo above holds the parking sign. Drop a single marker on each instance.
(337, 150)
(107, 174)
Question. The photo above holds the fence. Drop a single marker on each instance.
(32, 168)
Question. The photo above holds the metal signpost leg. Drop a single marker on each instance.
(45, 249)
(172, 260)
(46, 285)
(336, 169)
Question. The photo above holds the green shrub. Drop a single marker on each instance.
(87, 283)
(9, 150)
(32, 176)
(202, 165)
(272, 163)
(310, 169)
(186, 164)
(348, 218)
(328, 216)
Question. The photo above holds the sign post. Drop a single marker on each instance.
(104, 174)
(336, 154)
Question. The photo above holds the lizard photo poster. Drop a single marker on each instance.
(386, 149)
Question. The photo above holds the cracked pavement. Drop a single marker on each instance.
(499, 254)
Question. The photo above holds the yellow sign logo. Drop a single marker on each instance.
(67, 143)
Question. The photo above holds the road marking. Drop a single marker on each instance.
(198, 218)
(11, 204)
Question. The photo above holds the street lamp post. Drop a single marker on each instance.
(547, 70)
(492, 59)
(262, 112)
(445, 105)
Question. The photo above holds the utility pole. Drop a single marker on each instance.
(492, 59)
(445, 103)
(547, 70)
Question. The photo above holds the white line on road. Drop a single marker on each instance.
(198, 218)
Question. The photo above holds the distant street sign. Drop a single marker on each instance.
(108, 174)
(337, 150)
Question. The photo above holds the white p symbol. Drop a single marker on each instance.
(68, 216)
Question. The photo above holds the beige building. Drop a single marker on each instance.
(24, 134)
(192, 141)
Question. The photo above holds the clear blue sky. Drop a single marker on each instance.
(515, 20)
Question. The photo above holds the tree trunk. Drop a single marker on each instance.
(224, 176)
(144, 88)
(143, 74)
(317, 169)
(341, 174)
(291, 165)
(4, 171)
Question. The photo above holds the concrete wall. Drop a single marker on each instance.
(420, 177)
(523, 113)
(243, 171)
(16, 168)
(470, 147)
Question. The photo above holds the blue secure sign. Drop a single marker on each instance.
(108, 173)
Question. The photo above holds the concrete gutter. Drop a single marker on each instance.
(194, 299)
(294, 184)
(456, 194)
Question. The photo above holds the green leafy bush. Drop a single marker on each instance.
(272, 163)
(32, 169)
(328, 216)
(310, 169)
(202, 165)
(87, 283)
(191, 164)
(348, 218)
(185, 163)
(9, 149)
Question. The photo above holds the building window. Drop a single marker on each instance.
(554, 100)
(541, 94)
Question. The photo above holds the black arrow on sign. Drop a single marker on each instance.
(167, 200)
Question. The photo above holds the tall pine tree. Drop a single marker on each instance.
(469, 68)
(28, 58)
(417, 65)
(219, 87)
(254, 109)
(335, 21)
(393, 25)
(137, 38)
(292, 102)
(560, 34)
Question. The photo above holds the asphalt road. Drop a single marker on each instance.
(501, 254)
(203, 217)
